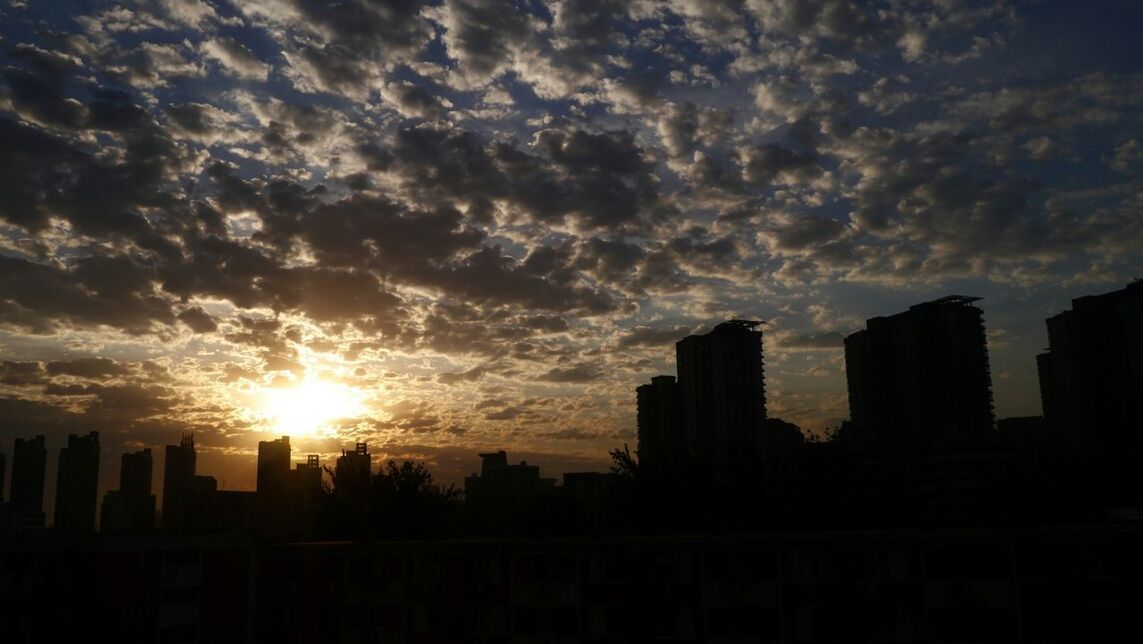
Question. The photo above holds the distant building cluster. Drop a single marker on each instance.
(919, 384)
(282, 505)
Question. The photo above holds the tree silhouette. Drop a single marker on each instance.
(405, 503)
(623, 464)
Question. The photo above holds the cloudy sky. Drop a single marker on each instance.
(457, 225)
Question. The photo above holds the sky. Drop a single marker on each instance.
(453, 226)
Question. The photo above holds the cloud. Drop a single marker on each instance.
(472, 375)
(91, 368)
(577, 374)
(770, 163)
(236, 58)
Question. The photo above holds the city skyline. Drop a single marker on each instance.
(919, 380)
(454, 226)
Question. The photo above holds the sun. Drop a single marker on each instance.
(310, 407)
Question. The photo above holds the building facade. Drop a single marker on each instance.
(921, 376)
(76, 484)
(178, 480)
(659, 421)
(722, 389)
(29, 459)
(1091, 378)
(131, 508)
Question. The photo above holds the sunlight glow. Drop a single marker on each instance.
(311, 407)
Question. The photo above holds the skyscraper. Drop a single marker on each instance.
(274, 466)
(135, 472)
(276, 506)
(722, 389)
(76, 484)
(921, 376)
(178, 480)
(662, 444)
(1091, 377)
(131, 508)
(29, 458)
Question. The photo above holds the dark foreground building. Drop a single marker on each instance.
(921, 376)
(131, 508)
(24, 512)
(76, 485)
(1031, 586)
(178, 483)
(722, 390)
(1091, 382)
(29, 458)
(662, 443)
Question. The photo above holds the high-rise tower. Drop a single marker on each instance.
(1091, 378)
(29, 458)
(722, 389)
(921, 376)
(76, 484)
(178, 481)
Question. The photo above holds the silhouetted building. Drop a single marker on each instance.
(356, 462)
(352, 471)
(587, 490)
(233, 511)
(662, 444)
(3, 472)
(722, 390)
(277, 503)
(504, 492)
(178, 479)
(306, 477)
(274, 466)
(1091, 378)
(305, 497)
(199, 504)
(921, 376)
(29, 458)
(24, 512)
(135, 472)
(76, 484)
(131, 508)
